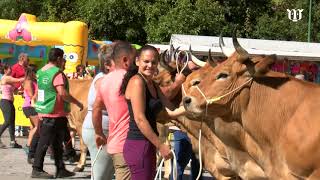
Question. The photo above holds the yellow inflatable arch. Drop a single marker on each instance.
(73, 36)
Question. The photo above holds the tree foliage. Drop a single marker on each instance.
(155, 20)
(164, 18)
(114, 19)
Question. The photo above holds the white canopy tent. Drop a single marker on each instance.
(293, 50)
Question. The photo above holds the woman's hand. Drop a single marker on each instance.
(100, 140)
(165, 151)
(21, 80)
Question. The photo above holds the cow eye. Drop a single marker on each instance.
(195, 82)
(222, 76)
(168, 82)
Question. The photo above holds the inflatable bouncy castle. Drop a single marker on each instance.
(28, 35)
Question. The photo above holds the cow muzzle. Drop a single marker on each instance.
(190, 104)
(187, 100)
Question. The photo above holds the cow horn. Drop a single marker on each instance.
(171, 54)
(195, 60)
(243, 54)
(163, 62)
(173, 57)
(211, 61)
(226, 51)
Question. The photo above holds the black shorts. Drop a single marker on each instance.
(29, 111)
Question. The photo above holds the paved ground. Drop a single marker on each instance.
(14, 166)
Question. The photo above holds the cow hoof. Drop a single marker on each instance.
(78, 169)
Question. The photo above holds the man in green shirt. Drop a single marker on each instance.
(53, 105)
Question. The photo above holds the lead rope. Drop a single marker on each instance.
(94, 161)
(184, 64)
(212, 100)
(173, 165)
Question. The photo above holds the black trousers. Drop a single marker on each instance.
(9, 115)
(52, 131)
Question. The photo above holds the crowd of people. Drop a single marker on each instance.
(120, 126)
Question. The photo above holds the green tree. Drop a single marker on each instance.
(58, 10)
(276, 25)
(12, 9)
(243, 14)
(114, 19)
(164, 18)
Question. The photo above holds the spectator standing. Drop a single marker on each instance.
(81, 72)
(184, 153)
(30, 89)
(18, 71)
(103, 167)
(108, 97)
(7, 107)
(144, 100)
(53, 105)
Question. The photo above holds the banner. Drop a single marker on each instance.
(21, 119)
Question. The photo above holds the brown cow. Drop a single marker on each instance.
(79, 89)
(278, 111)
(215, 164)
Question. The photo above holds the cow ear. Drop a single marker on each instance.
(262, 67)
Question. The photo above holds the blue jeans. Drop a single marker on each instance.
(183, 152)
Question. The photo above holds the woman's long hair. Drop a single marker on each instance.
(30, 71)
(5, 67)
(105, 56)
(133, 68)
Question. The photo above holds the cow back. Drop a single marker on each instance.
(79, 89)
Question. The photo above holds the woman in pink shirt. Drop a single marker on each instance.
(6, 105)
(30, 92)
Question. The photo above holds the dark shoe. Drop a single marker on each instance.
(14, 144)
(30, 160)
(41, 175)
(62, 173)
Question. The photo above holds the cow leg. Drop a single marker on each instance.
(77, 120)
(252, 171)
(167, 165)
(73, 135)
(83, 155)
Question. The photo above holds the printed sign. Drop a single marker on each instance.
(21, 119)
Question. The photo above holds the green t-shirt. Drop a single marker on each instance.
(47, 93)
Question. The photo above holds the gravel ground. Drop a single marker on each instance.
(14, 166)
